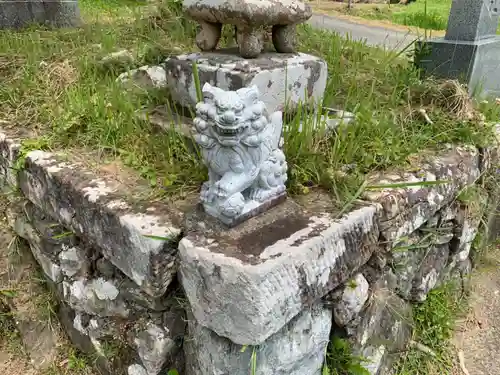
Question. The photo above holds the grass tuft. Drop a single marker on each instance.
(434, 327)
(341, 361)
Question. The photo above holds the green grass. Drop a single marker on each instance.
(341, 361)
(424, 14)
(54, 84)
(434, 322)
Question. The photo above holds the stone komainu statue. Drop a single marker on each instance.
(240, 146)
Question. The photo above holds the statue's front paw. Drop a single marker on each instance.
(260, 195)
(221, 189)
(233, 206)
(206, 195)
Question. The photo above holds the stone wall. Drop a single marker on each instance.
(150, 286)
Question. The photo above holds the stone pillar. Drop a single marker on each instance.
(57, 13)
(470, 50)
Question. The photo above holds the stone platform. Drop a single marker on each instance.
(280, 284)
(271, 267)
(295, 78)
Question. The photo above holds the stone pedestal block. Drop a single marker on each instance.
(248, 282)
(281, 78)
(297, 349)
(17, 14)
(474, 63)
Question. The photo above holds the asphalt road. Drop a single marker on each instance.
(373, 35)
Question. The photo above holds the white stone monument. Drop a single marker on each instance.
(470, 50)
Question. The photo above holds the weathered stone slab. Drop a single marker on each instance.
(104, 212)
(298, 77)
(297, 349)
(440, 178)
(384, 330)
(246, 283)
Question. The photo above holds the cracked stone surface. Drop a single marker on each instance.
(303, 75)
(297, 349)
(247, 283)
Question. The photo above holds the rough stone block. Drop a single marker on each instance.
(352, 300)
(122, 356)
(297, 349)
(419, 269)
(439, 180)
(138, 237)
(298, 78)
(97, 296)
(146, 343)
(154, 345)
(466, 231)
(384, 330)
(40, 249)
(9, 151)
(248, 282)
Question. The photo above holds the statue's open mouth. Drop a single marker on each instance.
(228, 131)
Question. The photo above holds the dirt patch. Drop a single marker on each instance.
(10, 365)
(478, 335)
